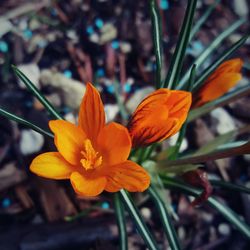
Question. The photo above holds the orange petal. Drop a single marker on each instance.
(114, 144)
(51, 165)
(159, 116)
(221, 81)
(91, 114)
(216, 88)
(127, 175)
(68, 139)
(87, 186)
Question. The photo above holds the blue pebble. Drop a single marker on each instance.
(111, 89)
(6, 202)
(115, 44)
(27, 33)
(164, 4)
(54, 12)
(4, 47)
(100, 72)
(99, 23)
(105, 205)
(68, 73)
(90, 30)
(127, 87)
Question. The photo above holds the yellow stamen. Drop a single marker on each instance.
(90, 160)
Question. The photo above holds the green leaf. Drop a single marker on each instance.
(140, 224)
(120, 217)
(230, 215)
(222, 101)
(24, 122)
(203, 18)
(165, 219)
(211, 48)
(207, 72)
(177, 60)
(221, 140)
(157, 36)
(181, 169)
(35, 91)
(230, 186)
(215, 155)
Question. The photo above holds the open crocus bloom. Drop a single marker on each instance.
(223, 79)
(159, 116)
(92, 155)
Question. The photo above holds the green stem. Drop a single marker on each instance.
(165, 219)
(177, 60)
(35, 91)
(157, 36)
(120, 217)
(140, 224)
(230, 215)
(24, 122)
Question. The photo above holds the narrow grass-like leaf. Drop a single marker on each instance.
(222, 101)
(157, 39)
(120, 217)
(35, 91)
(230, 186)
(203, 18)
(24, 122)
(211, 48)
(207, 72)
(176, 63)
(140, 224)
(230, 215)
(178, 170)
(221, 140)
(215, 155)
(165, 219)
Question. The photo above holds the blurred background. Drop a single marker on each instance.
(60, 45)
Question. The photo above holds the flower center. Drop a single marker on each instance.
(90, 159)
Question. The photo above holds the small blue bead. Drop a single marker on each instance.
(164, 5)
(27, 33)
(4, 47)
(99, 23)
(127, 88)
(111, 89)
(115, 44)
(67, 73)
(6, 202)
(54, 12)
(100, 72)
(105, 205)
(90, 30)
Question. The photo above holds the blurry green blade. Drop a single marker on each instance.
(210, 49)
(230, 215)
(230, 186)
(24, 122)
(221, 140)
(120, 218)
(203, 18)
(35, 91)
(137, 219)
(222, 101)
(206, 73)
(165, 219)
(181, 169)
(215, 155)
(176, 63)
(157, 39)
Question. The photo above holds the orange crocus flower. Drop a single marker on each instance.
(159, 116)
(92, 155)
(224, 78)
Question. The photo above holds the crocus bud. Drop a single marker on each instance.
(159, 116)
(224, 78)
